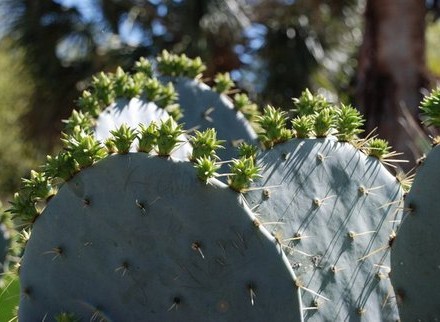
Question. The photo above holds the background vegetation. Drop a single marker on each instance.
(274, 49)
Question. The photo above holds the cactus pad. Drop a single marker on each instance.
(332, 209)
(138, 237)
(415, 259)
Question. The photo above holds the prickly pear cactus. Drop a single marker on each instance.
(140, 236)
(415, 254)
(205, 107)
(332, 208)
(132, 98)
(126, 98)
(415, 259)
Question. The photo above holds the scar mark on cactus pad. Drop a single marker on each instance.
(86, 202)
(400, 296)
(316, 261)
(27, 292)
(222, 306)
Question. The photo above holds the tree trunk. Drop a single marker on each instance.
(391, 71)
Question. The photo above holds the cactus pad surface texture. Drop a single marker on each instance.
(415, 253)
(136, 237)
(333, 209)
(207, 107)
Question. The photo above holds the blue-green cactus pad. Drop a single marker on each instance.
(314, 194)
(204, 108)
(415, 254)
(140, 238)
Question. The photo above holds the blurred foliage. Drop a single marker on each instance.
(9, 297)
(433, 47)
(310, 43)
(16, 88)
(273, 48)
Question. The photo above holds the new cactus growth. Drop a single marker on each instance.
(247, 150)
(147, 137)
(332, 209)
(307, 103)
(207, 168)
(223, 83)
(243, 104)
(180, 65)
(124, 99)
(273, 124)
(243, 173)
(348, 123)
(430, 107)
(168, 136)
(323, 122)
(123, 138)
(302, 126)
(205, 144)
(83, 148)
